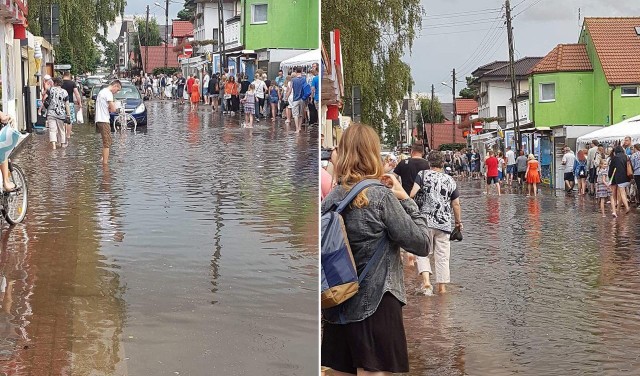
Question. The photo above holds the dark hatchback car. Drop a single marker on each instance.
(89, 83)
(132, 101)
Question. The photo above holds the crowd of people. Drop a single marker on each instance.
(294, 97)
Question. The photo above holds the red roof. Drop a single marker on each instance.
(466, 106)
(565, 58)
(181, 29)
(156, 57)
(443, 133)
(618, 47)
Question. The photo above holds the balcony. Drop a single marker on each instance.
(232, 30)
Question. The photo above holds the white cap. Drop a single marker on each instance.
(393, 157)
(47, 77)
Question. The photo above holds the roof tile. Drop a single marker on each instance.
(466, 106)
(565, 58)
(617, 46)
(156, 57)
(181, 29)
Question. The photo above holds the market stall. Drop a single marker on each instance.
(613, 133)
(304, 60)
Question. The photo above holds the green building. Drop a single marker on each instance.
(593, 82)
(277, 30)
(580, 87)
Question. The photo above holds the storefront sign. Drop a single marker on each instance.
(263, 55)
(62, 66)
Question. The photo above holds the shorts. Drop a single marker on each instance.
(105, 132)
(492, 180)
(500, 175)
(568, 176)
(296, 108)
(511, 169)
(623, 185)
(521, 175)
(378, 343)
(72, 109)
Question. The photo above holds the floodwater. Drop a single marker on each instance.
(540, 286)
(194, 253)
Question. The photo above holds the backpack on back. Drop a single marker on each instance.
(306, 91)
(340, 280)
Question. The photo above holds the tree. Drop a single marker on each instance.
(80, 22)
(188, 12)
(152, 39)
(110, 53)
(428, 114)
(373, 43)
(471, 91)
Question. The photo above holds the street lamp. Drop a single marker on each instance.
(166, 31)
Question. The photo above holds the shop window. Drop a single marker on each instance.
(548, 92)
(258, 13)
(629, 91)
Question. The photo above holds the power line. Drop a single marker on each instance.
(470, 12)
(489, 52)
(483, 47)
(456, 32)
(457, 24)
(527, 8)
(515, 6)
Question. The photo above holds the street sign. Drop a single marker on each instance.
(62, 67)
(188, 50)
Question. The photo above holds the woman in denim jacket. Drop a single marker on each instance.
(365, 333)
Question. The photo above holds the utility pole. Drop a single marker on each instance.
(146, 42)
(431, 141)
(512, 73)
(221, 34)
(166, 35)
(453, 92)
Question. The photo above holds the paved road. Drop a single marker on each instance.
(539, 287)
(194, 253)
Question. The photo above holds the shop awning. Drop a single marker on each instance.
(303, 60)
(613, 133)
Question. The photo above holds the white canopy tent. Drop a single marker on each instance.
(303, 60)
(614, 133)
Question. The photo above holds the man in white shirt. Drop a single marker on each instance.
(511, 164)
(591, 167)
(205, 88)
(568, 159)
(259, 90)
(105, 105)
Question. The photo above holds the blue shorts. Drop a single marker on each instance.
(511, 169)
(499, 175)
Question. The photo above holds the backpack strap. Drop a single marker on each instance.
(355, 191)
(377, 255)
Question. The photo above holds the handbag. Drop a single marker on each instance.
(629, 169)
(79, 117)
(420, 198)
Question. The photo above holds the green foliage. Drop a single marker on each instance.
(187, 14)
(375, 35)
(153, 38)
(453, 147)
(428, 113)
(80, 22)
(471, 91)
(165, 70)
(110, 55)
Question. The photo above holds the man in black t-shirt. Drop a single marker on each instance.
(75, 100)
(409, 168)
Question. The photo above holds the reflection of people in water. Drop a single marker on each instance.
(10, 272)
(106, 210)
(193, 125)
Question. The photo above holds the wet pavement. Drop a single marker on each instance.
(540, 286)
(194, 253)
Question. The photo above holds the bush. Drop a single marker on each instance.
(165, 70)
(454, 147)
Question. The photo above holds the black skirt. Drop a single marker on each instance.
(376, 344)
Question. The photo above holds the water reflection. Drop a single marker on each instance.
(554, 292)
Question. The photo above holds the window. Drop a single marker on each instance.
(629, 91)
(548, 92)
(502, 114)
(258, 13)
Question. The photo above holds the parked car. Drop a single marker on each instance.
(89, 83)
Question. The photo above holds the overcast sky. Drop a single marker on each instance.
(139, 7)
(464, 34)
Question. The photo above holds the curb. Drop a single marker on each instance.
(20, 145)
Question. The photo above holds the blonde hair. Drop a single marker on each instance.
(531, 156)
(358, 159)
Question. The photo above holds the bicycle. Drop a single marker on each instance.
(123, 118)
(13, 204)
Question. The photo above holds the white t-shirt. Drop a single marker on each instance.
(205, 81)
(511, 157)
(567, 160)
(102, 105)
(260, 86)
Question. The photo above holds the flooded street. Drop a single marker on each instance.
(194, 253)
(539, 287)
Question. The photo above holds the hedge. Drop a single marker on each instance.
(454, 147)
